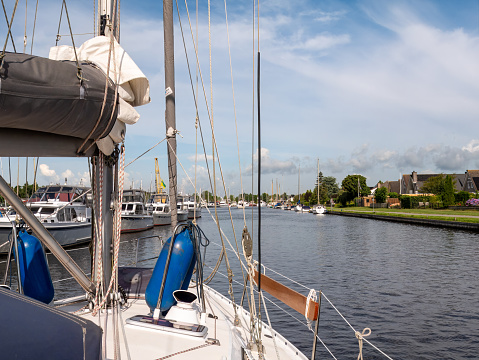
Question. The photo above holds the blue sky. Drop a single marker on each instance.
(377, 88)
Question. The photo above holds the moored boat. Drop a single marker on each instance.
(159, 206)
(134, 216)
(63, 209)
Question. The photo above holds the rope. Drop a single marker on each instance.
(116, 81)
(59, 25)
(105, 94)
(132, 161)
(185, 351)
(360, 337)
(234, 109)
(269, 323)
(347, 322)
(98, 231)
(34, 26)
(79, 70)
(25, 31)
(9, 32)
(2, 55)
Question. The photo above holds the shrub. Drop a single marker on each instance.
(472, 202)
(462, 197)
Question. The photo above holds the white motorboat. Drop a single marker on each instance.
(161, 213)
(319, 209)
(190, 207)
(134, 216)
(63, 209)
(159, 206)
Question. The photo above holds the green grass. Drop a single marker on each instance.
(425, 213)
(471, 213)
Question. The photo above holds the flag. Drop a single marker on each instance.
(163, 184)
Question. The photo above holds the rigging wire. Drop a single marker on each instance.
(59, 25)
(132, 161)
(34, 26)
(25, 31)
(9, 32)
(2, 55)
(215, 147)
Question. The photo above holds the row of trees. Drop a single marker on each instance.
(327, 185)
(441, 188)
(24, 192)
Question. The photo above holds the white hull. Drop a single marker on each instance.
(191, 213)
(319, 210)
(133, 223)
(65, 234)
(182, 215)
(161, 219)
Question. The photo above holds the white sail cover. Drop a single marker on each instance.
(133, 86)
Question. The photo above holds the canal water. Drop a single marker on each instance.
(416, 288)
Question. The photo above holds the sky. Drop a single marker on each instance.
(377, 88)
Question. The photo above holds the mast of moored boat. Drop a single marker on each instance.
(318, 181)
(170, 105)
(299, 184)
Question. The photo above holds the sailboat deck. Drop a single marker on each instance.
(222, 340)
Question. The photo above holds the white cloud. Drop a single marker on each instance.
(322, 42)
(46, 171)
(270, 165)
(472, 146)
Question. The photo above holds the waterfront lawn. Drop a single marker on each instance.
(392, 211)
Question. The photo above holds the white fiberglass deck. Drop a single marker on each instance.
(146, 343)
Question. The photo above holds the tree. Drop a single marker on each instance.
(352, 184)
(381, 195)
(264, 197)
(433, 185)
(462, 197)
(393, 195)
(448, 194)
(331, 186)
(307, 197)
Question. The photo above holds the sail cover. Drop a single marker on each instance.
(47, 96)
(33, 330)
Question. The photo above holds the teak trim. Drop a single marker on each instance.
(292, 298)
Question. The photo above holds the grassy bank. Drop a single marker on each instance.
(469, 216)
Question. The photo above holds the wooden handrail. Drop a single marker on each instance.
(288, 296)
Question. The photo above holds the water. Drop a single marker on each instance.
(415, 287)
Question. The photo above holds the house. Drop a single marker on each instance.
(471, 181)
(412, 183)
(392, 186)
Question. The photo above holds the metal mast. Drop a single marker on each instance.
(107, 23)
(170, 119)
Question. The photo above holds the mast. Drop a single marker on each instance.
(299, 182)
(107, 23)
(170, 105)
(318, 182)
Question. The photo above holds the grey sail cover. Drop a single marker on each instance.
(46, 96)
(33, 330)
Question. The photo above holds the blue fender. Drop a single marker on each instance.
(34, 272)
(179, 273)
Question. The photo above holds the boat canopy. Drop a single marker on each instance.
(134, 195)
(35, 331)
(50, 107)
(40, 95)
